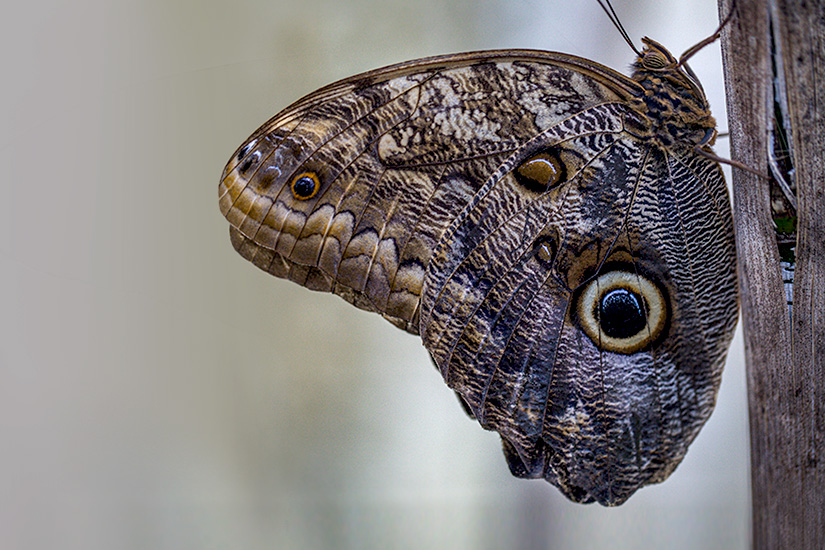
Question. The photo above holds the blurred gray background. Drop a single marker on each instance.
(158, 391)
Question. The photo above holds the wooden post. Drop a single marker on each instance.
(785, 354)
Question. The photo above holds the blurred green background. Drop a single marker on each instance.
(158, 391)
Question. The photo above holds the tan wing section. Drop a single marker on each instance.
(397, 154)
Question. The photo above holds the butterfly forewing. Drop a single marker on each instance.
(398, 153)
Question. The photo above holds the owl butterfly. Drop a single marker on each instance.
(558, 234)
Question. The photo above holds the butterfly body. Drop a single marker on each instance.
(544, 223)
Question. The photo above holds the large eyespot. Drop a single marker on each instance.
(305, 185)
(622, 312)
(541, 172)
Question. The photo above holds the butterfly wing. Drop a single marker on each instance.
(504, 312)
(397, 153)
(478, 200)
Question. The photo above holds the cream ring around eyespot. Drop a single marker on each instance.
(653, 303)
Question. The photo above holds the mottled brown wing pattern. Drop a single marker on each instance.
(398, 153)
(595, 423)
(545, 224)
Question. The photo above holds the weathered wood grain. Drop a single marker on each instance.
(785, 356)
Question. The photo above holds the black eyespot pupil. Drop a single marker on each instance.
(304, 186)
(621, 313)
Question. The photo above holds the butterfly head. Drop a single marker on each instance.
(655, 59)
(673, 101)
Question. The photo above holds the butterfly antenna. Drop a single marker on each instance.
(611, 14)
(710, 39)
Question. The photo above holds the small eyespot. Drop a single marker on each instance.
(251, 161)
(545, 249)
(305, 185)
(541, 172)
(622, 312)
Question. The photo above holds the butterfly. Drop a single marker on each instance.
(558, 234)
